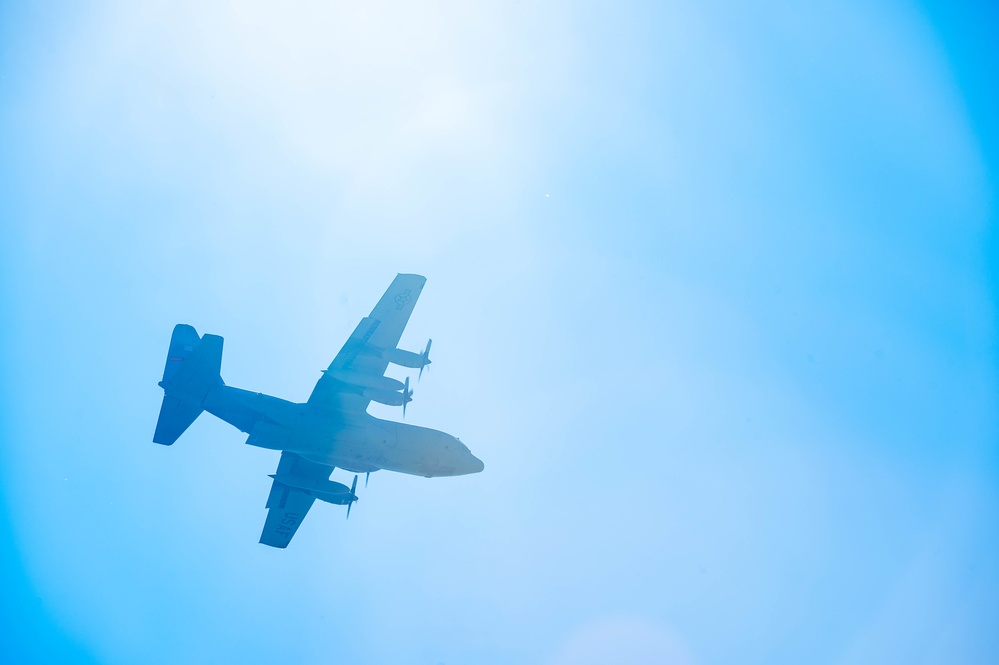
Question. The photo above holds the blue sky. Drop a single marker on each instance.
(711, 288)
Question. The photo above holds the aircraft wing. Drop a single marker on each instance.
(287, 506)
(381, 330)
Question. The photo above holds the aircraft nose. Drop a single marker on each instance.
(475, 465)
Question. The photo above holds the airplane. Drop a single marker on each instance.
(332, 429)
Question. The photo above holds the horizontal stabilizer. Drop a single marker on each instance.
(176, 415)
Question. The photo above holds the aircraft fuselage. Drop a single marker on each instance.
(357, 442)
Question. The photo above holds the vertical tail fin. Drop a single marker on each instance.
(192, 369)
(182, 344)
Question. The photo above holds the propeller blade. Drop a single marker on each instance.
(407, 396)
(353, 487)
(426, 359)
(366, 476)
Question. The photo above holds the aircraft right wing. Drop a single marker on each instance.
(288, 506)
(380, 331)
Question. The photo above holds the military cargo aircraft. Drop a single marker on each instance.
(333, 429)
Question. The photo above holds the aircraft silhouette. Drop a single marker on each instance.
(332, 429)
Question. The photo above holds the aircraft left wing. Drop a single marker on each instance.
(288, 506)
(381, 331)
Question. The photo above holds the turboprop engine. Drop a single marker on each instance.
(381, 389)
(324, 490)
(403, 358)
(363, 380)
(391, 397)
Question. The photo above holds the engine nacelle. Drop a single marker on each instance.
(325, 490)
(387, 397)
(403, 358)
(355, 378)
(335, 499)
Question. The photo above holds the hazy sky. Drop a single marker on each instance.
(712, 293)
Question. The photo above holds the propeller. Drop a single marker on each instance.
(366, 476)
(425, 359)
(407, 396)
(350, 503)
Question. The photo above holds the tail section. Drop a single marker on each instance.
(193, 368)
